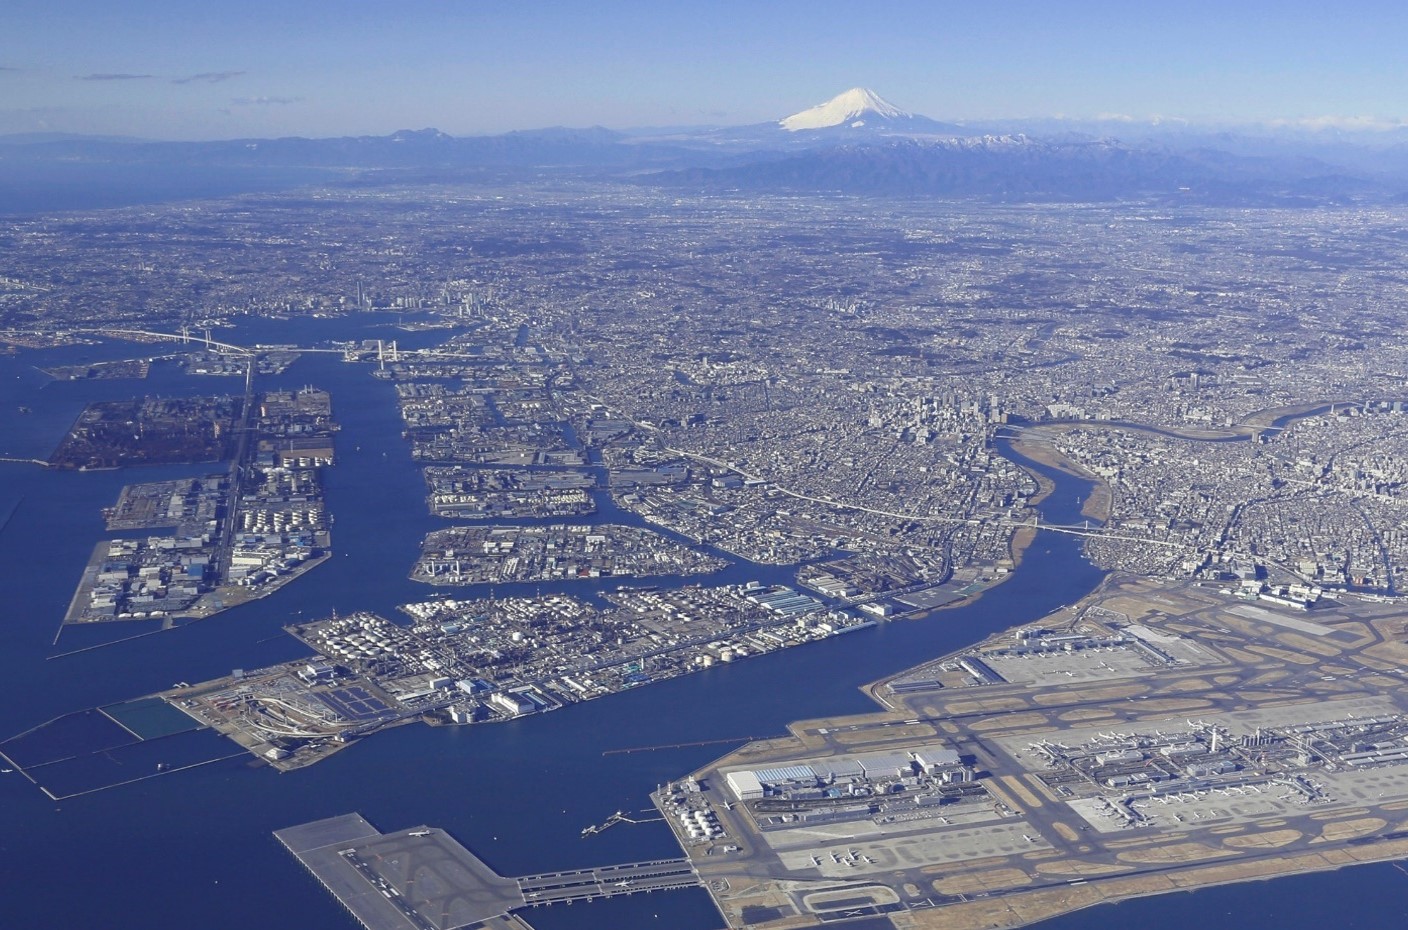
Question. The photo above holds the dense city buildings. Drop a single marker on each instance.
(718, 427)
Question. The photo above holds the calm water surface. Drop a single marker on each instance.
(194, 849)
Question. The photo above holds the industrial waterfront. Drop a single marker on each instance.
(518, 794)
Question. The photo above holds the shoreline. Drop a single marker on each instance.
(1247, 847)
(1032, 443)
(1023, 536)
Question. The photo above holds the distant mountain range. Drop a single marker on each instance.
(855, 117)
(424, 148)
(1017, 168)
(855, 143)
(859, 143)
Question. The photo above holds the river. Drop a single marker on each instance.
(194, 849)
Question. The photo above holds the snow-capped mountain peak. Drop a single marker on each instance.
(852, 108)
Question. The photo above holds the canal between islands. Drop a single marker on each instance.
(195, 848)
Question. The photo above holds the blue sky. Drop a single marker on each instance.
(190, 70)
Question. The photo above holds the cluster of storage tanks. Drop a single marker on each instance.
(700, 824)
(279, 521)
(351, 640)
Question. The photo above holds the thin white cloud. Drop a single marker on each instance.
(208, 77)
(103, 76)
(264, 101)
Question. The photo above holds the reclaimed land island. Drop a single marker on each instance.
(1152, 738)
(234, 537)
(459, 662)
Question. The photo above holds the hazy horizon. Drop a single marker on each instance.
(161, 70)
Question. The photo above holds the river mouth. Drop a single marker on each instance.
(521, 791)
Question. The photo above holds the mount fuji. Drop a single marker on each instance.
(863, 110)
(858, 116)
(856, 143)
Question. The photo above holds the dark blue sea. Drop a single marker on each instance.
(194, 849)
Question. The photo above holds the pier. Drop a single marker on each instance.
(613, 820)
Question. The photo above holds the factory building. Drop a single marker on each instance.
(515, 705)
